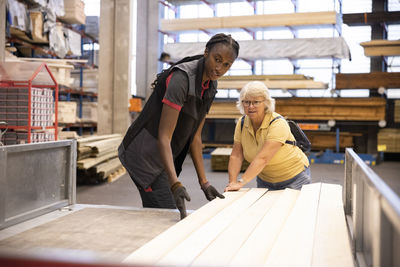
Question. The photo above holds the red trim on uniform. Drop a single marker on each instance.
(166, 101)
(205, 87)
(172, 105)
(168, 79)
(148, 189)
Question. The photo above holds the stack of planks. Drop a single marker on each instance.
(257, 227)
(377, 48)
(253, 21)
(321, 140)
(397, 111)
(372, 80)
(288, 82)
(389, 140)
(98, 158)
(60, 68)
(220, 159)
(304, 108)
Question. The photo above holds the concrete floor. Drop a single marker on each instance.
(123, 192)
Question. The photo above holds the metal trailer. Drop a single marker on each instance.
(36, 179)
(372, 209)
(373, 215)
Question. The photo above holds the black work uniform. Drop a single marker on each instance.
(139, 151)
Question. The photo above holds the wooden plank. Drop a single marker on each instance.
(55, 60)
(276, 84)
(90, 162)
(297, 234)
(233, 237)
(158, 247)
(381, 48)
(264, 77)
(105, 144)
(372, 80)
(258, 245)
(362, 19)
(331, 242)
(185, 252)
(83, 141)
(251, 21)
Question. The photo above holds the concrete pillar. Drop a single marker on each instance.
(3, 29)
(147, 46)
(114, 66)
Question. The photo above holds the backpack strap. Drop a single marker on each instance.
(287, 141)
(242, 122)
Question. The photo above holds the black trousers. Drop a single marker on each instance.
(158, 194)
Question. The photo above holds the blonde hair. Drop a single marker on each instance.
(256, 89)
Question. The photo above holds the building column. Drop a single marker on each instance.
(114, 66)
(147, 46)
(3, 31)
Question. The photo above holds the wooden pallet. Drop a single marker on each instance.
(256, 227)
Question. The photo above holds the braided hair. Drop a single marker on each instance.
(216, 39)
(225, 39)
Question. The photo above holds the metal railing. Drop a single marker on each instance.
(373, 215)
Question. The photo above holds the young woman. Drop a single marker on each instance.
(170, 125)
(261, 140)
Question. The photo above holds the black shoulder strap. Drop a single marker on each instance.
(278, 117)
(287, 141)
(241, 123)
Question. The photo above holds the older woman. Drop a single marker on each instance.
(261, 139)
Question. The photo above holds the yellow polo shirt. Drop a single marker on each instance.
(286, 163)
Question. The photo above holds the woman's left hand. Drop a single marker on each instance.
(233, 186)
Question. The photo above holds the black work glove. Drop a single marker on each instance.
(210, 191)
(180, 194)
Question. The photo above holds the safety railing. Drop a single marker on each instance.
(373, 215)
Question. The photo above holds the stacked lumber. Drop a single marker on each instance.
(304, 108)
(74, 12)
(66, 112)
(60, 68)
(397, 111)
(252, 21)
(89, 112)
(294, 48)
(257, 227)
(272, 82)
(372, 80)
(323, 140)
(98, 158)
(389, 140)
(220, 159)
(319, 141)
(376, 48)
(90, 80)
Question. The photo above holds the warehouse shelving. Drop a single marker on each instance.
(250, 24)
(41, 50)
(29, 100)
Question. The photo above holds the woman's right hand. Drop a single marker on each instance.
(233, 186)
